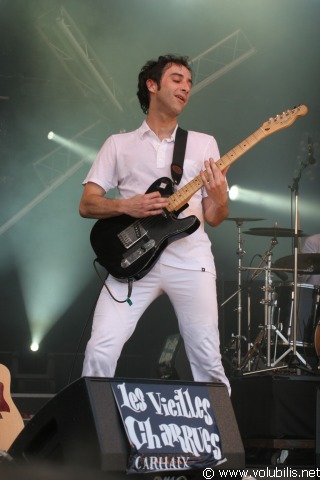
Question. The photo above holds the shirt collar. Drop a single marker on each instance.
(146, 130)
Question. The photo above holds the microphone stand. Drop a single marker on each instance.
(294, 361)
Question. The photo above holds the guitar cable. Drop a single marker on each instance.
(103, 281)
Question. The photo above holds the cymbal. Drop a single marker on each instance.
(244, 219)
(274, 232)
(307, 263)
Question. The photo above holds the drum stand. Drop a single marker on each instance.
(269, 303)
(238, 337)
(268, 330)
(240, 252)
(269, 300)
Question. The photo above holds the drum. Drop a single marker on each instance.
(307, 312)
(317, 329)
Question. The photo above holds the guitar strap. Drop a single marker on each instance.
(178, 155)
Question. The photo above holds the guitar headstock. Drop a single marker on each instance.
(284, 120)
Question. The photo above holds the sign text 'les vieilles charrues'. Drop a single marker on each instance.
(169, 426)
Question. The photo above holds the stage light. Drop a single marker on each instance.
(34, 347)
(234, 192)
(259, 198)
(84, 151)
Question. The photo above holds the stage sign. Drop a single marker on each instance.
(169, 426)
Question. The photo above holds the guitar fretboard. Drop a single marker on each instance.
(178, 199)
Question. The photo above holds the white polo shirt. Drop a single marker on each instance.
(132, 161)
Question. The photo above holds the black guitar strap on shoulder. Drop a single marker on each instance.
(178, 155)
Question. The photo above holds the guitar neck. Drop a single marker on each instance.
(182, 196)
(178, 199)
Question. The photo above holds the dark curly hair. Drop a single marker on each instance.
(153, 70)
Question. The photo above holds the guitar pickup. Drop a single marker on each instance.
(132, 234)
(130, 258)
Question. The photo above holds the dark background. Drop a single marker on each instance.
(48, 284)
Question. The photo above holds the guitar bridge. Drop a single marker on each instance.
(132, 234)
(129, 259)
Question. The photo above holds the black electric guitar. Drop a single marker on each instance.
(128, 248)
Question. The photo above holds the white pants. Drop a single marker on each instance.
(194, 299)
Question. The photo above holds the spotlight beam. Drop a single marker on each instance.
(38, 199)
(59, 181)
(271, 201)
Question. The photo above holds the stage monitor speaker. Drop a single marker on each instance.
(173, 363)
(82, 426)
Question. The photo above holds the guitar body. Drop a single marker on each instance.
(128, 248)
(11, 422)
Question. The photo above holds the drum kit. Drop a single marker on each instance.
(290, 332)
